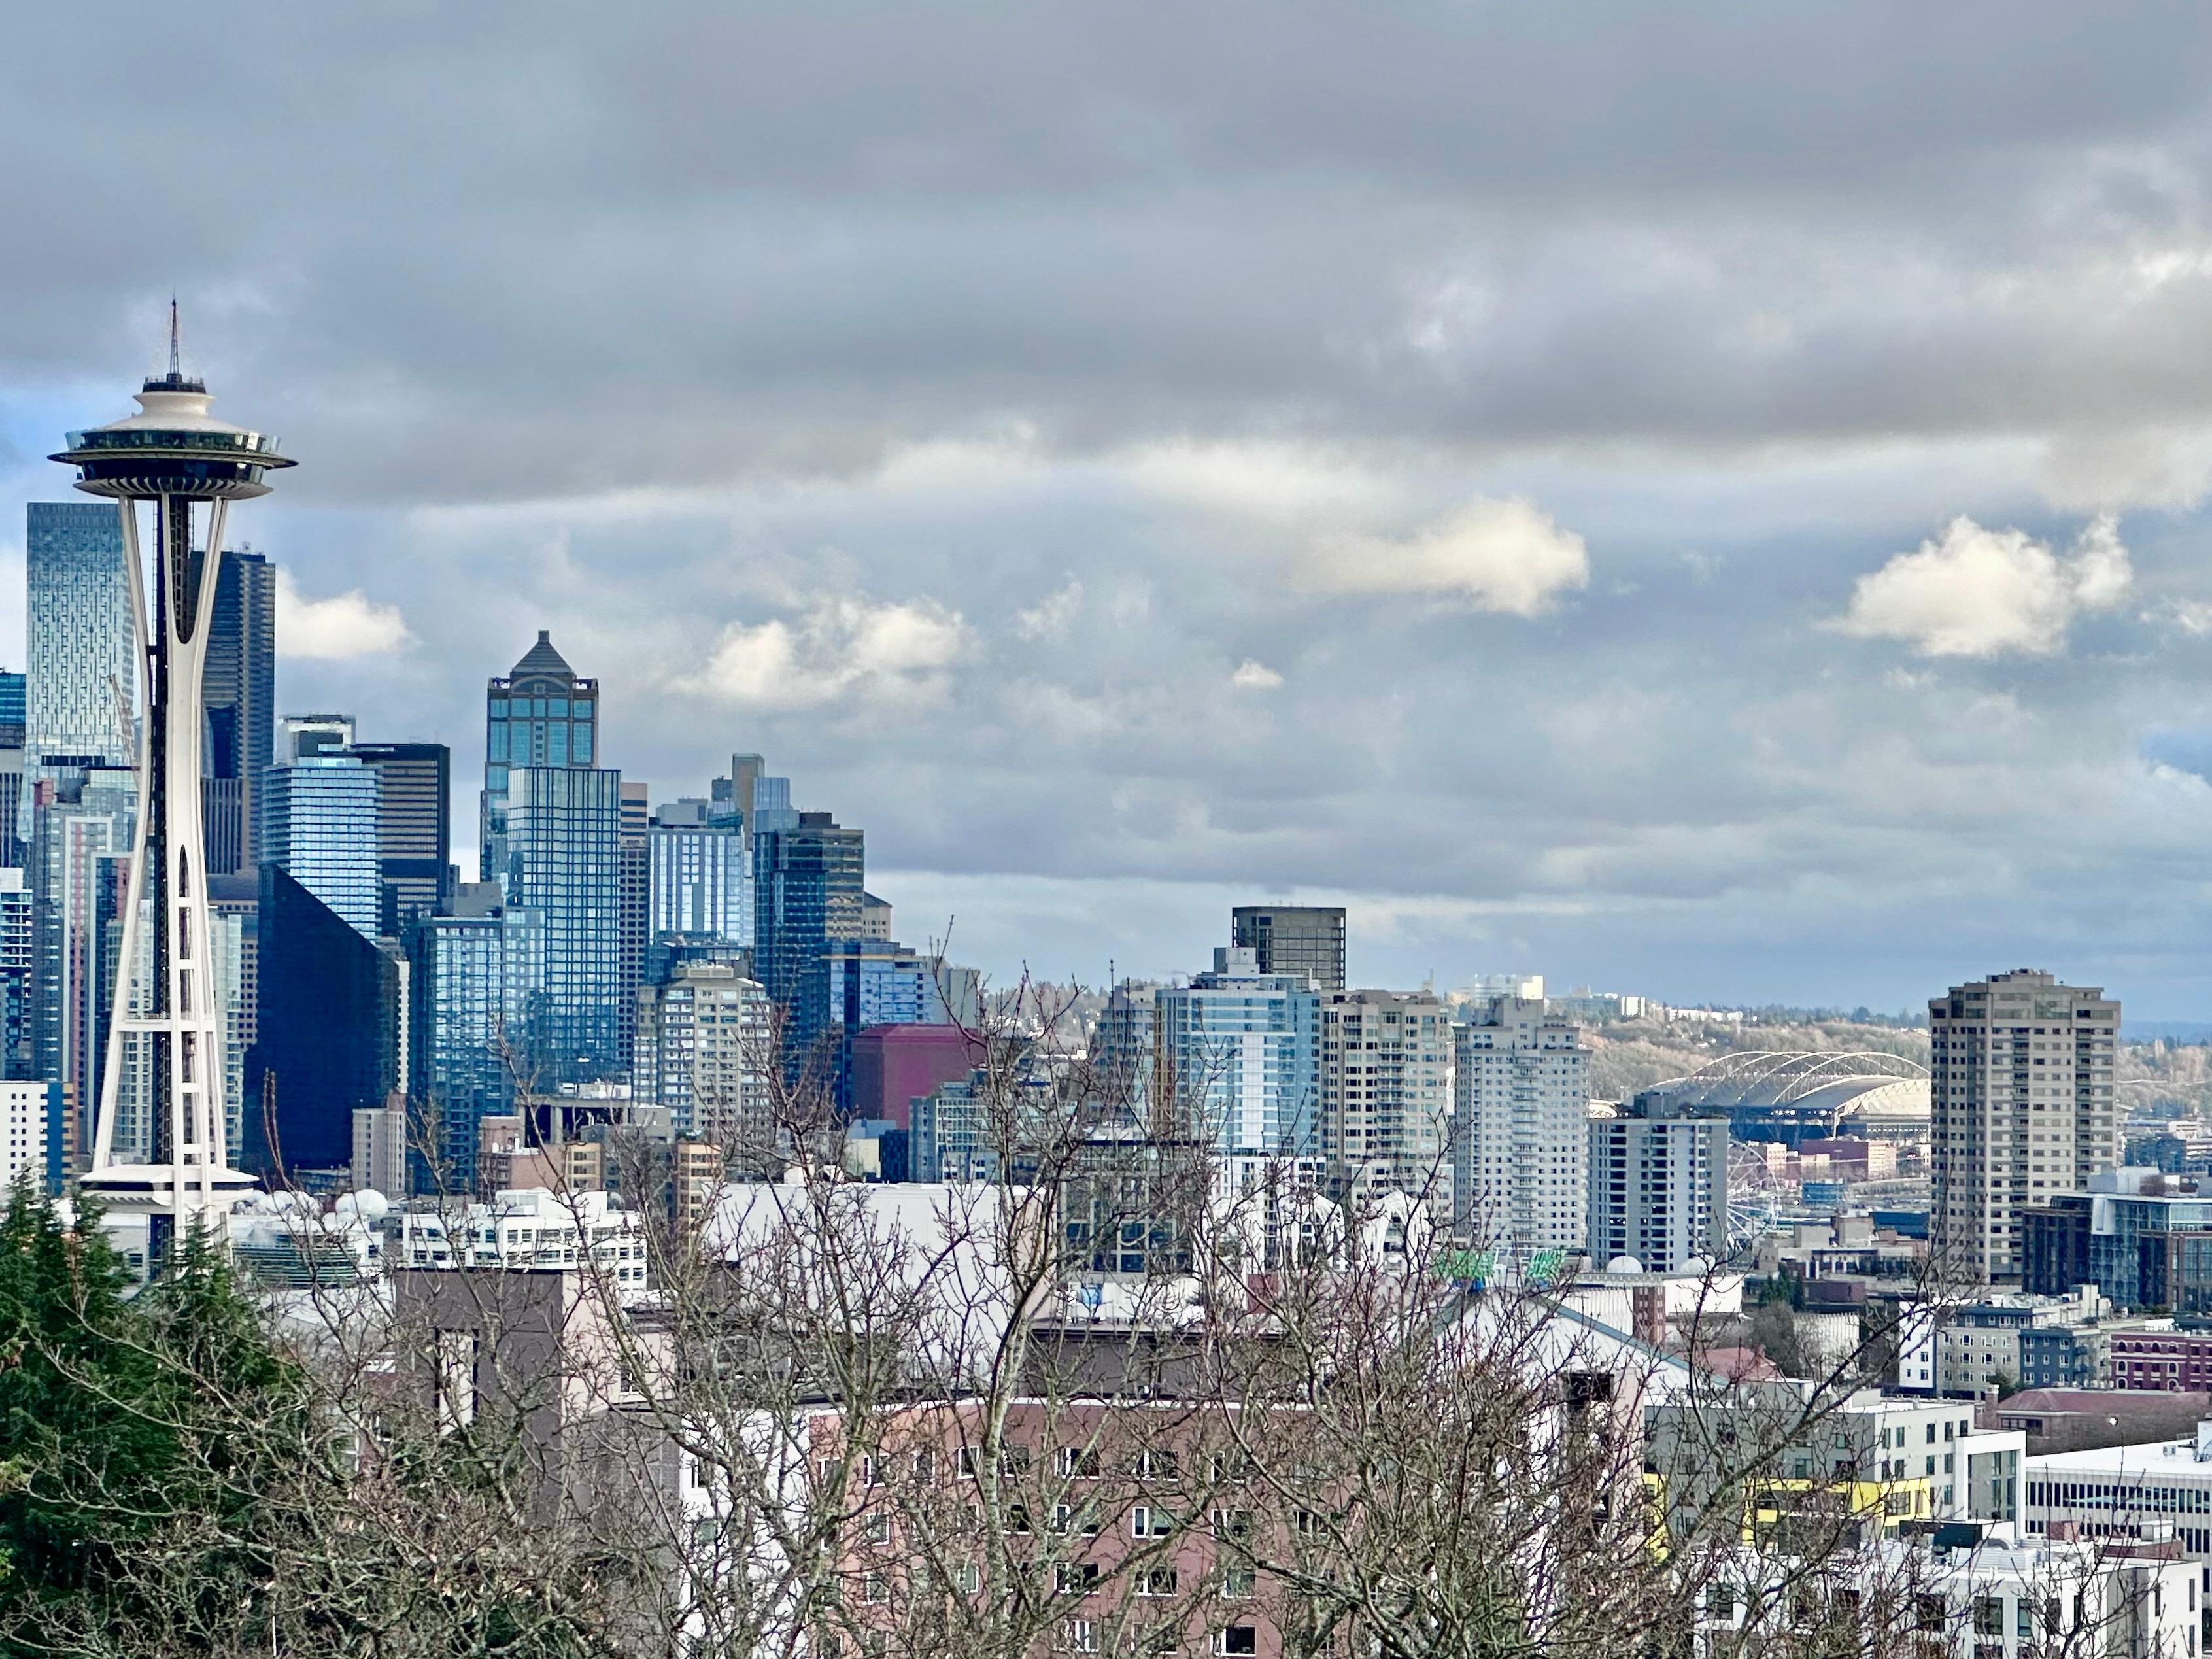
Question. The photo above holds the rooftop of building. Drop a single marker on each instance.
(543, 658)
(2100, 1401)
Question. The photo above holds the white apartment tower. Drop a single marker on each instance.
(1385, 1121)
(1658, 1186)
(704, 1051)
(1520, 1135)
(2022, 1086)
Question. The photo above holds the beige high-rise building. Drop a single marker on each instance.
(2022, 1088)
(1385, 1120)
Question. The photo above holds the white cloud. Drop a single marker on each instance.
(1270, 483)
(839, 647)
(1253, 675)
(1981, 593)
(1050, 617)
(1498, 555)
(348, 624)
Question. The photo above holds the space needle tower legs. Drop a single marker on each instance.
(169, 1013)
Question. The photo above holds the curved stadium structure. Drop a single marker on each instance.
(1794, 1096)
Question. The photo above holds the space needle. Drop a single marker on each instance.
(176, 456)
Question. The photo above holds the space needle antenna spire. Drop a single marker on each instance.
(173, 1167)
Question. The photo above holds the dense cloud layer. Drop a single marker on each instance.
(1688, 498)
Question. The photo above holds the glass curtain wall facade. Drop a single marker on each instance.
(240, 688)
(328, 1029)
(807, 891)
(542, 714)
(413, 816)
(319, 825)
(476, 985)
(79, 682)
(564, 866)
(701, 882)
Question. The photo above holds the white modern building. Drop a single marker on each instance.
(2020, 1098)
(1658, 1186)
(1969, 1591)
(2161, 1489)
(532, 1228)
(29, 1115)
(1520, 1131)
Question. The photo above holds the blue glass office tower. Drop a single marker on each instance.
(542, 715)
(476, 982)
(564, 863)
(80, 681)
(806, 893)
(318, 826)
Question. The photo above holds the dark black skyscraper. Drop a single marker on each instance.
(241, 709)
(1293, 938)
(414, 817)
(806, 892)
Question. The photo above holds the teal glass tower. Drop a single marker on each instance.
(542, 714)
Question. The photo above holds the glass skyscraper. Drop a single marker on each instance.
(806, 892)
(79, 682)
(241, 689)
(328, 1029)
(542, 714)
(476, 985)
(413, 847)
(318, 826)
(564, 861)
(701, 881)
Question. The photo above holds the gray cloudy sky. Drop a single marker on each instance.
(1698, 500)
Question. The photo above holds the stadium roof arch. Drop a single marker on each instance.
(1807, 1090)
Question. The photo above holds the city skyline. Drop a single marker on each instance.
(1089, 634)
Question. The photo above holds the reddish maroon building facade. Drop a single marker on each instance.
(2178, 1362)
(893, 1064)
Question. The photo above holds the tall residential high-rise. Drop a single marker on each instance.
(81, 688)
(542, 714)
(704, 1052)
(701, 881)
(173, 456)
(1234, 1062)
(1520, 1131)
(233, 921)
(564, 866)
(13, 821)
(12, 713)
(2020, 1086)
(633, 931)
(414, 835)
(81, 824)
(328, 1031)
(28, 1151)
(319, 818)
(1385, 1112)
(806, 893)
(1293, 938)
(476, 993)
(241, 708)
(18, 979)
(1658, 1185)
